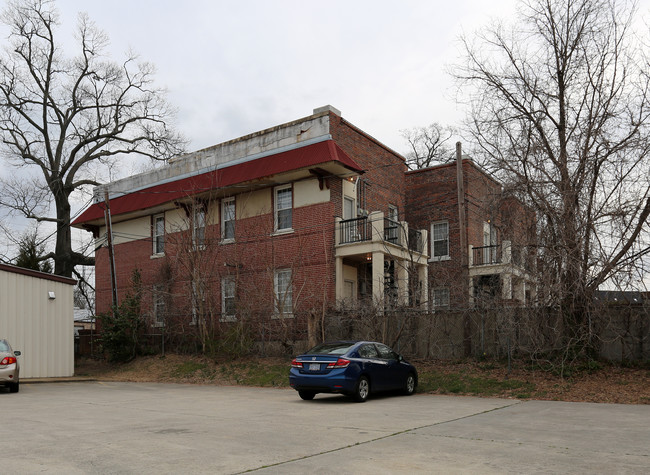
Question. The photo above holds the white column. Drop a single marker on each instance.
(337, 231)
(376, 220)
(402, 272)
(423, 276)
(378, 279)
(471, 291)
(339, 282)
(506, 286)
(506, 250)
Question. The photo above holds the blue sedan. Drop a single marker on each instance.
(353, 368)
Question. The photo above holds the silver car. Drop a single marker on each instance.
(9, 367)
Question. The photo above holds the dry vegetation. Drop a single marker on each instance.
(603, 384)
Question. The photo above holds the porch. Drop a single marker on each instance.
(380, 260)
(503, 271)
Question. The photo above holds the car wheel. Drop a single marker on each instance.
(14, 388)
(306, 395)
(410, 384)
(362, 390)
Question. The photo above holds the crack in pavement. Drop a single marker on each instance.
(356, 444)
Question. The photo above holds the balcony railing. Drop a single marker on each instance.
(392, 231)
(502, 254)
(486, 255)
(355, 230)
(395, 232)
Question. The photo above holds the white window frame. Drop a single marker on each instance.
(440, 297)
(228, 291)
(155, 236)
(489, 239)
(277, 210)
(283, 297)
(393, 213)
(198, 293)
(225, 204)
(353, 209)
(158, 307)
(441, 257)
(199, 217)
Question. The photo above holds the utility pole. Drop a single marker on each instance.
(111, 254)
(462, 231)
(462, 222)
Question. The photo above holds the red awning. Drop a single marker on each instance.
(304, 157)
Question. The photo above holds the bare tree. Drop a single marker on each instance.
(428, 145)
(64, 116)
(560, 113)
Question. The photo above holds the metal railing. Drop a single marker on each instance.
(392, 231)
(486, 255)
(360, 230)
(355, 230)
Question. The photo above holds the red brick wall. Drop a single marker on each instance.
(251, 259)
(384, 169)
(309, 251)
(432, 196)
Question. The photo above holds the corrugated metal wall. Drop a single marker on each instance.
(40, 327)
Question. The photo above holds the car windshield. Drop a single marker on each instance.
(4, 346)
(338, 348)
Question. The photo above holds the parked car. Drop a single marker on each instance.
(9, 367)
(353, 368)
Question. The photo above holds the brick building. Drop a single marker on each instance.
(273, 228)
(488, 257)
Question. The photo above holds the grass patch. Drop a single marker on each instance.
(475, 385)
(252, 373)
(190, 369)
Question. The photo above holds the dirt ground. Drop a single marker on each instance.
(607, 384)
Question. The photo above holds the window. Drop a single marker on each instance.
(283, 292)
(198, 226)
(228, 219)
(368, 351)
(385, 353)
(391, 225)
(228, 299)
(283, 208)
(489, 243)
(440, 241)
(198, 301)
(349, 212)
(158, 307)
(440, 297)
(393, 213)
(158, 234)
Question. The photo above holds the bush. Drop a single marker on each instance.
(121, 329)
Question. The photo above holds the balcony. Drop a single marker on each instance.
(358, 230)
(382, 255)
(505, 253)
(503, 270)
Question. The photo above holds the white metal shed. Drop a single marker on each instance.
(36, 316)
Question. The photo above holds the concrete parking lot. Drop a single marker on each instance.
(110, 427)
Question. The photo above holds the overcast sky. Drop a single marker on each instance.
(236, 67)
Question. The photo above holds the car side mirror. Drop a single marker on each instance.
(400, 358)
(17, 353)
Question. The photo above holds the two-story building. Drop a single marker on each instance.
(273, 228)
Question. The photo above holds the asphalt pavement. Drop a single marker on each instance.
(122, 428)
